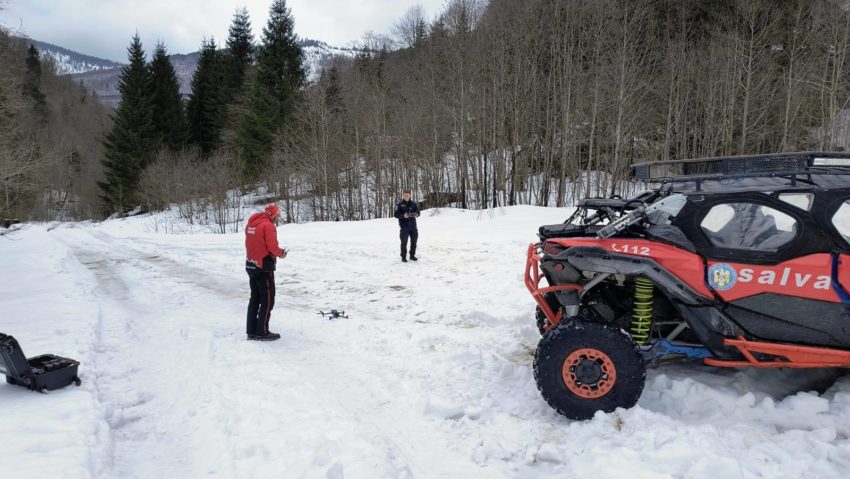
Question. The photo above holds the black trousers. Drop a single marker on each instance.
(406, 233)
(262, 302)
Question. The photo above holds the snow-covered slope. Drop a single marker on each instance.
(431, 376)
(104, 81)
(318, 56)
(71, 62)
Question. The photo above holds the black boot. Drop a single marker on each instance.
(268, 337)
(413, 258)
(403, 259)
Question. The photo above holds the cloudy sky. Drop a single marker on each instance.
(103, 27)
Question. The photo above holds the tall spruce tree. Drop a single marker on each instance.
(205, 101)
(32, 86)
(333, 94)
(274, 90)
(239, 54)
(133, 140)
(169, 114)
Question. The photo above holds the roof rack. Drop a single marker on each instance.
(787, 165)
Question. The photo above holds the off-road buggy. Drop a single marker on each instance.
(734, 261)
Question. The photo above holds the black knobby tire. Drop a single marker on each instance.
(543, 325)
(569, 341)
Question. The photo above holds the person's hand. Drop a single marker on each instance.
(407, 215)
(283, 253)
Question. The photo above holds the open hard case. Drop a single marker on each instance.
(41, 373)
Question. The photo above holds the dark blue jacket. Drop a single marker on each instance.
(409, 207)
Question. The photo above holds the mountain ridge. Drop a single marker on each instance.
(68, 61)
(101, 76)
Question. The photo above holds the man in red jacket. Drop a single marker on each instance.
(263, 251)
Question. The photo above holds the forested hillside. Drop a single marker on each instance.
(50, 139)
(484, 104)
(513, 101)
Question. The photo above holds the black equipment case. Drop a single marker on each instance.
(41, 373)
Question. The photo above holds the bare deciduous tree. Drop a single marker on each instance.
(410, 30)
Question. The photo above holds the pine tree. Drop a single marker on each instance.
(32, 87)
(280, 62)
(132, 142)
(239, 55)
(421, 33)
(333, 95)
(169, 114)
(439, 31)
(205, 103)
(274, 91)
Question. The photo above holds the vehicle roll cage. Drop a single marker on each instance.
(804, 167)
(801, 169)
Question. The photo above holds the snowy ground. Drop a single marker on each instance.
(429, 377)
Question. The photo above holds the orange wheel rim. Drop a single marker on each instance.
(589, 373)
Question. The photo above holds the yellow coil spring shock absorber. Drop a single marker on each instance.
(642, 315)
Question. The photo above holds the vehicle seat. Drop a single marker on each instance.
(750, 228)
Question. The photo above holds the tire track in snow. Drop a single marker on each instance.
(231, 428)
(140, 356)
(106, 350)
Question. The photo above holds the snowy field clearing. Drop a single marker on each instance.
(429, 377)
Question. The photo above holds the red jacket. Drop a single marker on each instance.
(261, 241)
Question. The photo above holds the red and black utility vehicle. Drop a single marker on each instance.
(735, 261)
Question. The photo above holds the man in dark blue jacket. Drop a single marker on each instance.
(406, 211)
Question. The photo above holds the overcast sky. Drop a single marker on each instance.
(103, 28)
